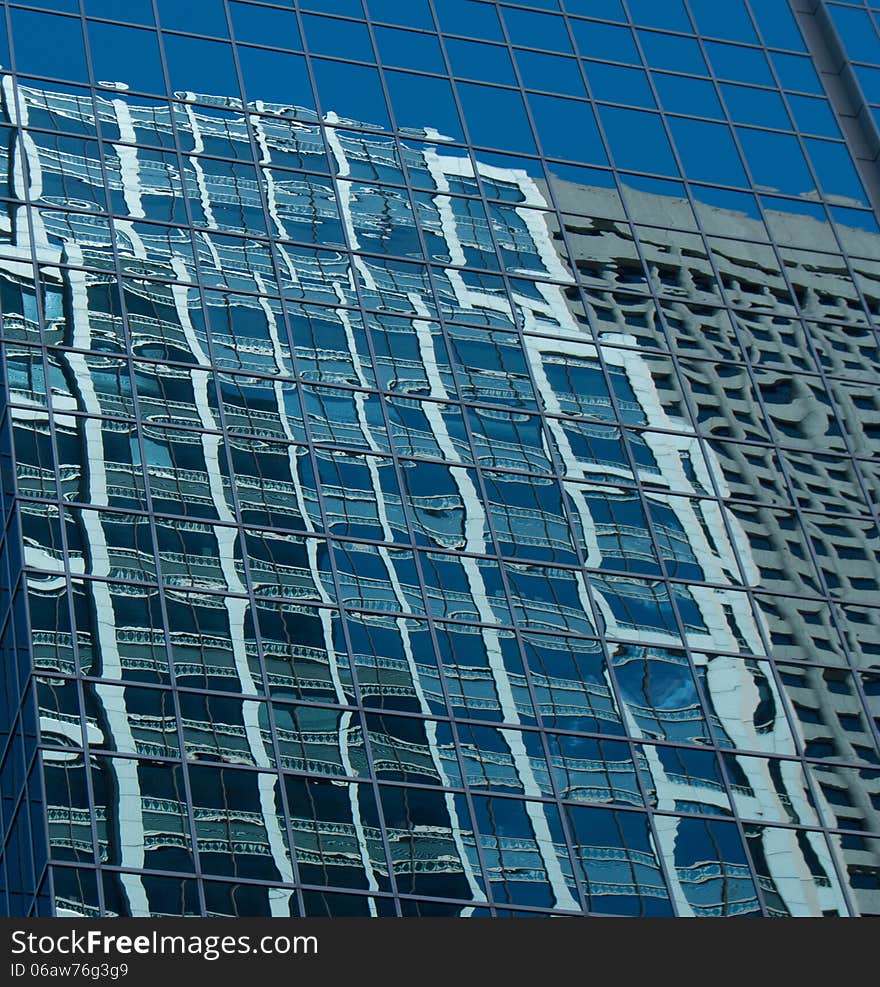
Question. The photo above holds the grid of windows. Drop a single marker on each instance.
(858, 24)
(440, 462)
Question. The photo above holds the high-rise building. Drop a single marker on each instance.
(440, 457)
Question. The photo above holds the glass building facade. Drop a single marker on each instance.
(439, 454)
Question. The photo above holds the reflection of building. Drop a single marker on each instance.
(351, 582)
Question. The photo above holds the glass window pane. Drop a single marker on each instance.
(47, 44)
(637, 140)
(496, 118)
(126, 55)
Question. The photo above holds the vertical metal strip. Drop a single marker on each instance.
(844, 92)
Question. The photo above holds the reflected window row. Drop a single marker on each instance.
(290, 650)
(342, 360)
(225, 195)
(208, 130)
(261, 422)
(750, 320)
(487, 849)
(776, 160)
(178, 322)
(539, 573)
(458, 755)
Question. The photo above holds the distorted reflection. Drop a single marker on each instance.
(431, 530)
